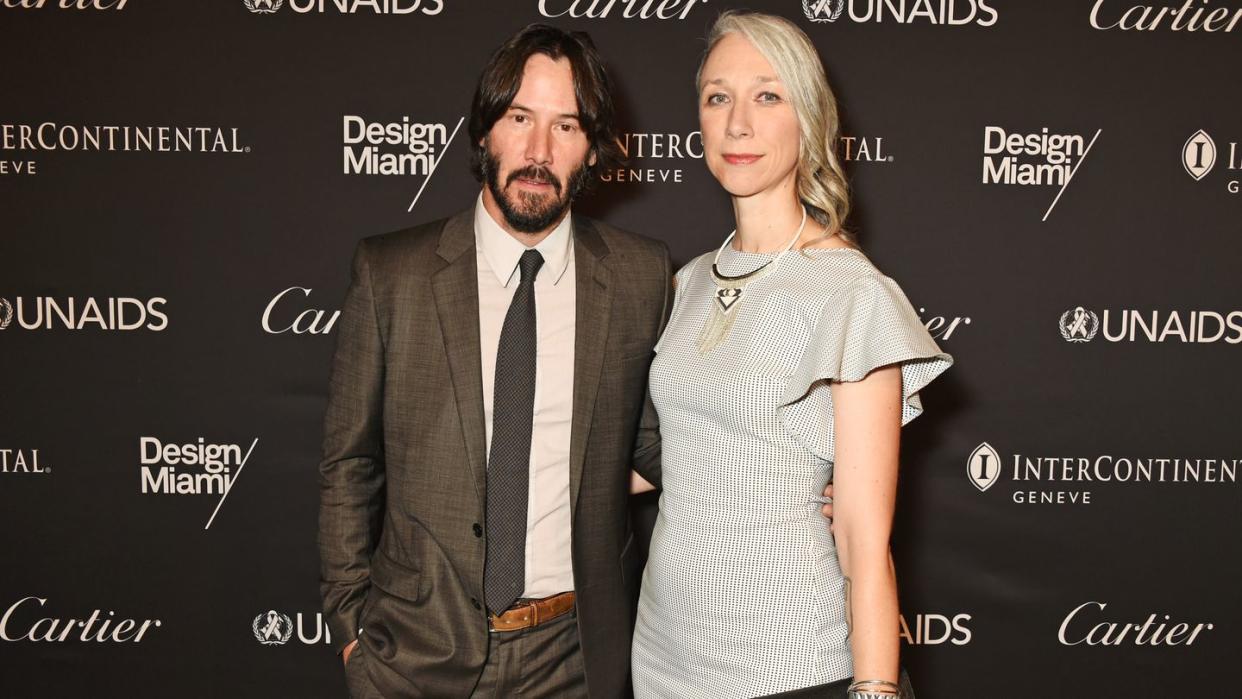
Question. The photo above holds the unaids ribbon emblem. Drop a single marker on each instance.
(1079, 325)
(272, 628)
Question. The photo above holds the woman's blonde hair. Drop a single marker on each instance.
(821, 182)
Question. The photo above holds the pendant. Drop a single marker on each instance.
(726, 304)
(720, 320)
(727, 301)
(727, 298)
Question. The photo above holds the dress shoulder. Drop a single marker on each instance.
(866, 324)
(689, 268)
(680, 279)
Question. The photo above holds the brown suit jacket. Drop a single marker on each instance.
(403, 478)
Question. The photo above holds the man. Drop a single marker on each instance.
(487, 403)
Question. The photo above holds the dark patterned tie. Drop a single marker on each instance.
(508, 466)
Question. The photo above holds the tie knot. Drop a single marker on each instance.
(529, 264)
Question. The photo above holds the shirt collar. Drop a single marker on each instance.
(502, 251)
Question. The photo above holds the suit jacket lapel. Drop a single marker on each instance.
(456, 291)
(593, 304)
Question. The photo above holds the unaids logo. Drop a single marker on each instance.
(937, 12)
(348, 7)
(272, 628)
(263, 7)
(1199, 155)
(6, 313)
(823, 10)
(1079, 325)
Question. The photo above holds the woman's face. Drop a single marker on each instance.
(750, 129)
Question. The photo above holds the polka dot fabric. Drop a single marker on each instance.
(743, 595)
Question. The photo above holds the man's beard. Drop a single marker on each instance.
(530, 212)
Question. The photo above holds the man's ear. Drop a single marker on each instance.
(592, 159)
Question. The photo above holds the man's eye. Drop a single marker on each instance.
(519, 118)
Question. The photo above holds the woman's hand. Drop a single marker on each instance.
(827, 508)
(638, 484)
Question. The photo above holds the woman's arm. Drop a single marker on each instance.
(867, 434)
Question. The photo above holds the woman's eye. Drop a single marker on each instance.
(769, 97)
(716, 98)
(519, 118)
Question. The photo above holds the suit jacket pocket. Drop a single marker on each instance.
(355, 673)
(394, 578)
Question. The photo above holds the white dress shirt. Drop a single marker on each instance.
(549, 566)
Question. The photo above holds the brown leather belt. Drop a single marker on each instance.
(532, 612)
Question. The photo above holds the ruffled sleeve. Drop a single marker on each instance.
(869, 324)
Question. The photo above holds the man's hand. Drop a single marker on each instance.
(827, 508)
(350, 649)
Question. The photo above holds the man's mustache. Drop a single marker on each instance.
(534, 173)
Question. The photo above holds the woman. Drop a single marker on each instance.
(789, 361)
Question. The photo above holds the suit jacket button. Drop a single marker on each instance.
(476, 604)
(478, 530)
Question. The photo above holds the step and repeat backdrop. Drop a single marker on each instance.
(1056, 185)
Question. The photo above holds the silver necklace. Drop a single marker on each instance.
(729, 291)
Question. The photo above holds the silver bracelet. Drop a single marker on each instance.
(862, 689)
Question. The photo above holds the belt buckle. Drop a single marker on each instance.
(534, 614)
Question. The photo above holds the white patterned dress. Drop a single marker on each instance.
(743, 595)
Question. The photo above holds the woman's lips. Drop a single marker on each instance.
(741, 158)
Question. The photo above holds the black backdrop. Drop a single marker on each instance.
(1073, 470)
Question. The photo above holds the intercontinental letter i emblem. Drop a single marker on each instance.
(1079, 325)
(1199, 155)
(983, 467)
(272, 628)
(823, 10)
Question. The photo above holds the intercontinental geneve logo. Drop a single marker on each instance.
(1055, 478)
(1079, 325)
(823, 10)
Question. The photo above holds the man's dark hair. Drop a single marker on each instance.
(502, 77)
